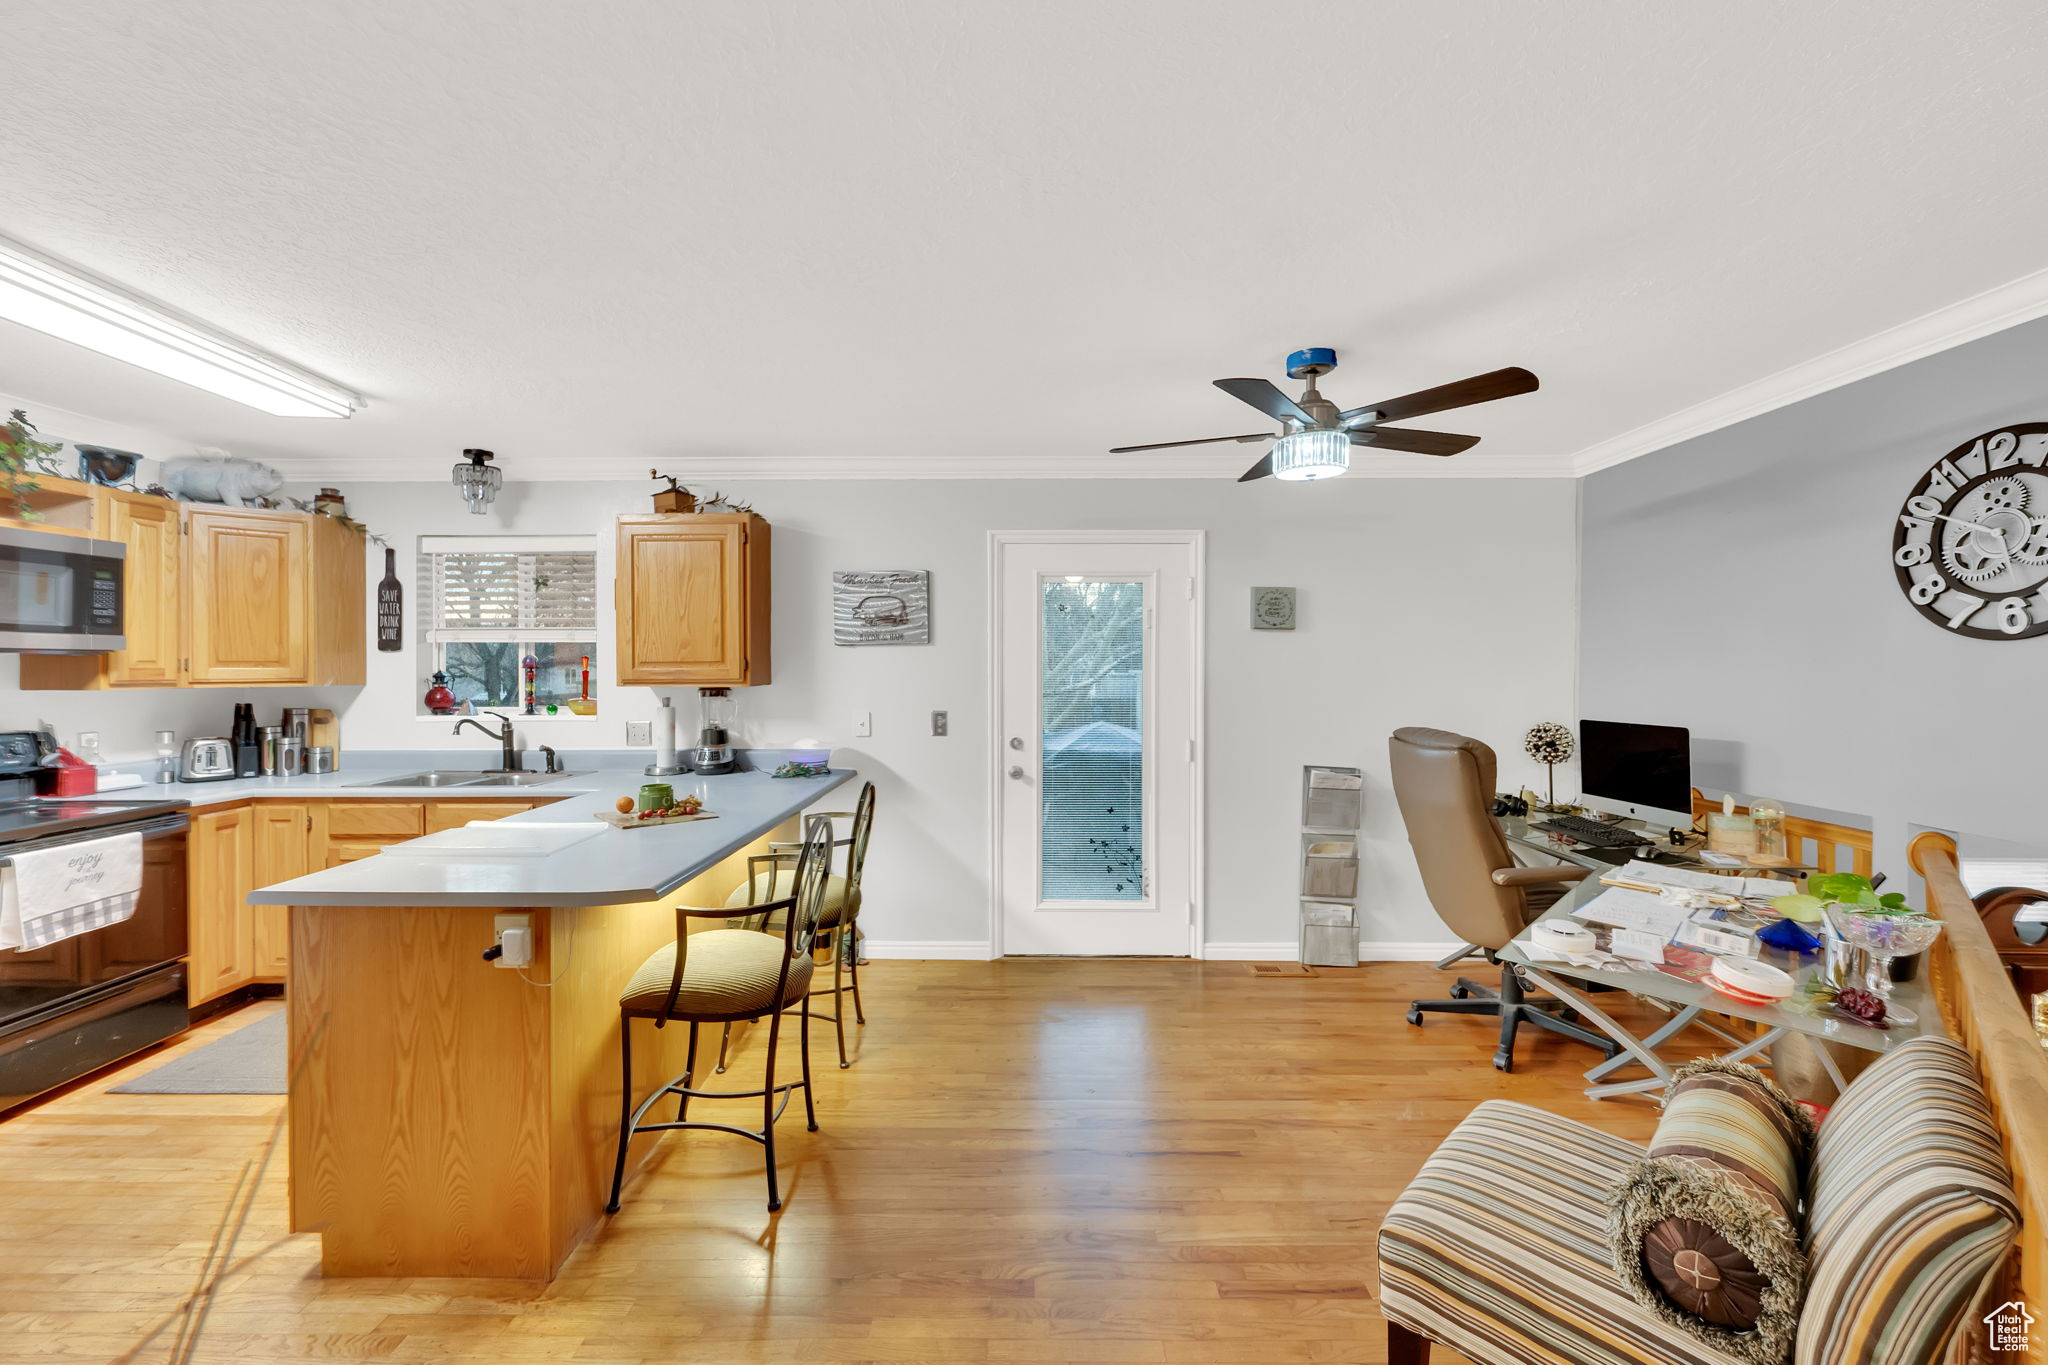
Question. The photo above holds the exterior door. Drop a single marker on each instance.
(1098, 679)
(248, 597)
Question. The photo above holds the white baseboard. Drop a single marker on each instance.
(943, 949)
(1368, 951)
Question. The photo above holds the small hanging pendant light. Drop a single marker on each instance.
(478, 480)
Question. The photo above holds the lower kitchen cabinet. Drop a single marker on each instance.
(231, 852)
(221, 872)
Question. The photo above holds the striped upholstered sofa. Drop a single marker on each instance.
(1499, 1248)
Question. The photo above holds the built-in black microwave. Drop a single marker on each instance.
(60, 594)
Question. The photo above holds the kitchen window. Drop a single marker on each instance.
(489, 603)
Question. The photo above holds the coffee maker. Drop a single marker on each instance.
(713, 754)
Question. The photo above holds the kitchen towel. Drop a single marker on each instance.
(50, 894)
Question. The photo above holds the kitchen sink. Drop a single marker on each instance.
(471, 777)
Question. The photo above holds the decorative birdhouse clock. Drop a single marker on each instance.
(1971, 545)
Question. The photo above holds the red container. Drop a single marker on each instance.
(72, 776)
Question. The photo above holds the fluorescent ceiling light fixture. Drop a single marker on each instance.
(38, 292)
(1312, 454)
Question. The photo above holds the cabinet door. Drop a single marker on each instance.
(246, 597)
(455, 814)
(154, 622)
(681, 601)
(219, 854)
(281, 841)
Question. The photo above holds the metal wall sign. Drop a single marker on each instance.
(390, 607)
(881, 607)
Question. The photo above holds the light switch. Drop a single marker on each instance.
(939, 723)
(863, 724)
(639, 732)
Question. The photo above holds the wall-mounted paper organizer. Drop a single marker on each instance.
(1330, 814)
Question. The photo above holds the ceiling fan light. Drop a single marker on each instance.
(1312, 455)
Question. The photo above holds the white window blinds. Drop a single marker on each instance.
(540, 587)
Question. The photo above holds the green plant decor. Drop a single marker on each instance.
(1851, 889)
(22, 458)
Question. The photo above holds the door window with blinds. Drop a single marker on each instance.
(491, 607)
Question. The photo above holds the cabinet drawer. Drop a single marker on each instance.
(455, 814)
(375, 819)
(341, 851)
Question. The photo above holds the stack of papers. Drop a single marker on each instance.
(1638, 875)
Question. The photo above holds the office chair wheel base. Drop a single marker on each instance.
(1458, 992)
(1503, 1061)
(1415, 1018)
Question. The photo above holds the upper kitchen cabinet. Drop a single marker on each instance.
(224, 596)
(692, 600)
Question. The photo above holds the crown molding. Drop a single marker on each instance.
(1994, 310)
(699, 469)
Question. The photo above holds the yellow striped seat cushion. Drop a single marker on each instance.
(727, 972)
(1498, 1249)
(756, 889)
(1909, 1208)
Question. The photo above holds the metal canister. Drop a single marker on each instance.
(270, 742)
(298, 724)
(320, 758)
(291, 757)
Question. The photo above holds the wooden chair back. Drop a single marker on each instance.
(1981, 1008)
(1814, 843)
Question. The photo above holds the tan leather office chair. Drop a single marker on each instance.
(1444, 783)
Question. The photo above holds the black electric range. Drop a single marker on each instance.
(83, 1002)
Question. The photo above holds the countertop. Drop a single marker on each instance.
(617, 866)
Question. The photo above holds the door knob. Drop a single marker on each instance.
(1016, 771)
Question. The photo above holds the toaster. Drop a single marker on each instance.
(207, 760)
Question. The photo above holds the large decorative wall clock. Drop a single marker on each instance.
(1971, 548)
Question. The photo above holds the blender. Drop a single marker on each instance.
(713, 754)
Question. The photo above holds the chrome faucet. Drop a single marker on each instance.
(504, 737)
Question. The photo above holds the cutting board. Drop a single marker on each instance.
(619, 821)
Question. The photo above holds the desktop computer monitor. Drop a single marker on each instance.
(1642, 772)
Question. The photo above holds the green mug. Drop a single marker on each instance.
(657, 796)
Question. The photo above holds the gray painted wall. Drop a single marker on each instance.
(1778, 530)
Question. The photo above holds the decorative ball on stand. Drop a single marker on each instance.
(1549, 744)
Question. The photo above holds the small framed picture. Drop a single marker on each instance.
(881, 607)
(1272, 609)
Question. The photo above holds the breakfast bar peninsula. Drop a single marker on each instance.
(453, 1117)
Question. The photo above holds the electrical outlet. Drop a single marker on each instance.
(863, 724)
(640, 732)
(939, 724)
(513, 934)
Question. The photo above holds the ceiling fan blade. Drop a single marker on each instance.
(1415, 442)
(1264, 395)
(1257, 471)
(1204, 441)
(1480, 388)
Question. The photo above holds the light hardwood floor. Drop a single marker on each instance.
(1030, 1161)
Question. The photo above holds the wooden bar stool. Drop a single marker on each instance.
(840, 918)
(726, 976)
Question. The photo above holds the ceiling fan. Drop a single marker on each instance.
(1316, 439)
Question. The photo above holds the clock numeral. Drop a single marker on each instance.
(2012, 615)
(1922, 505)
(1925, 590)
(1916, 524)
(2004, 450)
(1911, 554)
(1962, 609)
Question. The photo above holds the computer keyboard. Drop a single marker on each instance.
(1594, 832)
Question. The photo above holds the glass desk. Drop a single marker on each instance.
(1692, 1001)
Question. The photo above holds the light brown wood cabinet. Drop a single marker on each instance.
(219, 853)
(224, 596)
(231, 851)
(282, 843)
(692, 600)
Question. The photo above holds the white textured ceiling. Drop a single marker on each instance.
(1003, 236)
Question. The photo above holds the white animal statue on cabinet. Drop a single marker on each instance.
(213, 475)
